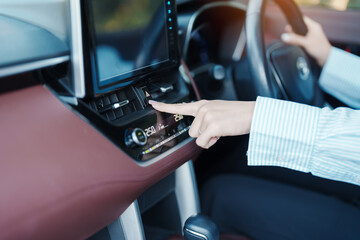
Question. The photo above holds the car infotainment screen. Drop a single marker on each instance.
(130, 37)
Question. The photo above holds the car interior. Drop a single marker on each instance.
(84, 155)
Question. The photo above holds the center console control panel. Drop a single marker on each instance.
(128, 59)
(126, 118)
(155, 134)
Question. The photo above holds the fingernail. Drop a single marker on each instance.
(285, 37)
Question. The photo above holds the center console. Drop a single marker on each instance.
(99, 151)
(160, 212)
(124, 54)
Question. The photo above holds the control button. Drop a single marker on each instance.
(99, 103)
(135, 137)
(119, 113)
(145, 96)
(101, 108)
(166, 88)
(106, 101)
(122, 96)
(120, 104)
(111, 115)
(114, 98)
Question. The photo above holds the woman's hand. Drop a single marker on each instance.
(315, 42)
(213, 119)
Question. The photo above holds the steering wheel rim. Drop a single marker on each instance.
(152, 37)
(256, 52)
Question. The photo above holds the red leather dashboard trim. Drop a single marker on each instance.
(59, 177)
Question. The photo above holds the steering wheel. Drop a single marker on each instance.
(280, 70)
(152, 36)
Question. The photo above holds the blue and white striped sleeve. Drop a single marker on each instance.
(341, 77)
(323, 142)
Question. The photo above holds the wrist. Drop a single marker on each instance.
(325, 55)
(250, 115)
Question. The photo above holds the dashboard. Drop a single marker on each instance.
(126, 60)
(83, 154)
(91, 150)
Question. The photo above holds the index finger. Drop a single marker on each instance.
(189, 109)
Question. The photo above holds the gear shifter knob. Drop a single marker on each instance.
(200, 227)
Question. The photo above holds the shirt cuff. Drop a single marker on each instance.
(339, 77)
(282, 134)
(336, 154)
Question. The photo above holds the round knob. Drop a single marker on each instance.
(135, 137)
(217, 77)
(218, 72)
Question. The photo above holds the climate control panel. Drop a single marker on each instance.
(155, 134)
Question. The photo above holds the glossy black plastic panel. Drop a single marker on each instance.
(150, 36)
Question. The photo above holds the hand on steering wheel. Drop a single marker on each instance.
(314, 42)
(280, 70)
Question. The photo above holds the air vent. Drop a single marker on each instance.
(130, 100)
(118, 104)
(159, 90)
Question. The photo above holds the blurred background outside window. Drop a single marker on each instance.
(340, 5)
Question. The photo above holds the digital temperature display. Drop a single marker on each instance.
(163, 124)
(163, 135)
(160, 132)
(150, 131)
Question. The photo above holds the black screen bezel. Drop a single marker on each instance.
(92, 81)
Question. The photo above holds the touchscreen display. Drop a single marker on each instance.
(130, 36)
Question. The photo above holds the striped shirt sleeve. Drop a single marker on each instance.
(341, 77)
(323, 142)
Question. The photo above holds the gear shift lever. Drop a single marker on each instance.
(200, 227)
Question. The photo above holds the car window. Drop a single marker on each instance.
(340, 5)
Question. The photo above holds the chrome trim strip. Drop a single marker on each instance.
(196, 234)
(69, 100)
(165, 154)
(77, 56)
(25, 67)
(130, 222)
(200, 11)
(186, 192)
